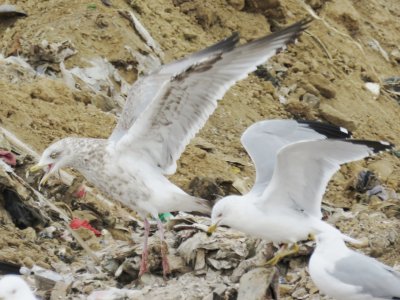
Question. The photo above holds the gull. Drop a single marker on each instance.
(13, 287)
(345, 274)
(164, 110)
(294, 162)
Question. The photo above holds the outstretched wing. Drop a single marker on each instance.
(304, 169)
(185, 102)
(146, 87)
(264, 139)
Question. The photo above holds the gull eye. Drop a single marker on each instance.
(219, 215)
(54, 155)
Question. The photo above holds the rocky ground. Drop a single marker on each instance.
(48, 91)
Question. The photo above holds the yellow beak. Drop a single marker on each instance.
(35, 168)
(212, 229)
(311, 237)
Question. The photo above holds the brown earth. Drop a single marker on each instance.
(331, 62)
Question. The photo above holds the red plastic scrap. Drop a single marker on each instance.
(80, 192)
(78, 223)
(8, 157)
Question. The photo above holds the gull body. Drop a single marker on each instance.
(294, 225)
(345, 274)
(164, 110)
(13, 287)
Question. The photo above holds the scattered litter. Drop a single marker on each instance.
(373, 87)
(99, 78)
(375, 45)
(8, 157)
(392, 85)
(46, 52)
(143, 33)
(78, 223)
(106, 2)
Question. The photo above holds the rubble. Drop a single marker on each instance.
(66, 70)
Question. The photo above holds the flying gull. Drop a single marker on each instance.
(348, 275)
(294, 163)
(13, 287)
(164, 110)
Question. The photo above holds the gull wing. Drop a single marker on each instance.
(372, 277)
(264, 139)
(146, 87)
(304, 169)
(185, 102)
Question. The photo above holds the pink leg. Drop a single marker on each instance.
(143, 263)
(165, 263)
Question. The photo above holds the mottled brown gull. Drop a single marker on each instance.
(164, 110)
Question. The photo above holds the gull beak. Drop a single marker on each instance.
(44, 179)
(211, 229)
(35, 168)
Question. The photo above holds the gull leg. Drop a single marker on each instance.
(283, 252)
(164, 249)
(145, 254)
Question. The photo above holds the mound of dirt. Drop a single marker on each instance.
(322, 77)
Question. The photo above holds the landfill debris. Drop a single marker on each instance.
(8, 157)
(78, 223)
(182, 27)
(373, 87)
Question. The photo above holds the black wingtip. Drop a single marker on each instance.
(375, 146)
(227, 44)
(329, 130)
(296, 29)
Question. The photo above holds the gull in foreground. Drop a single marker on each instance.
(348, 275)
(294, 162)
(13, 287)
(164, 110)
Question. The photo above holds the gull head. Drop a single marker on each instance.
(13, 287)
(56, 156)
(224, 212)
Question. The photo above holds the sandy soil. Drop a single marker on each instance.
(332, 61)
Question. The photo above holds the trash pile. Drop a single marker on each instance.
(70, 242)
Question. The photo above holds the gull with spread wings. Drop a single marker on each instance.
(164, 110)
(294, 162)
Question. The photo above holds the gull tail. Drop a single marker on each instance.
(189, 203)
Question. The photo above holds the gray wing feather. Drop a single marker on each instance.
(186, 101)
(373, 277)
(264, 139)
(304, 169)
(144, 90)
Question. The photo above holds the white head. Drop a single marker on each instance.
(68, 152)
(13, 287)
(225, 212)
(55, 157)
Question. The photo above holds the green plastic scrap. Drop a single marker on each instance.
(164, 217)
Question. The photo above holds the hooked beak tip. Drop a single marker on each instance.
(211, 229)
